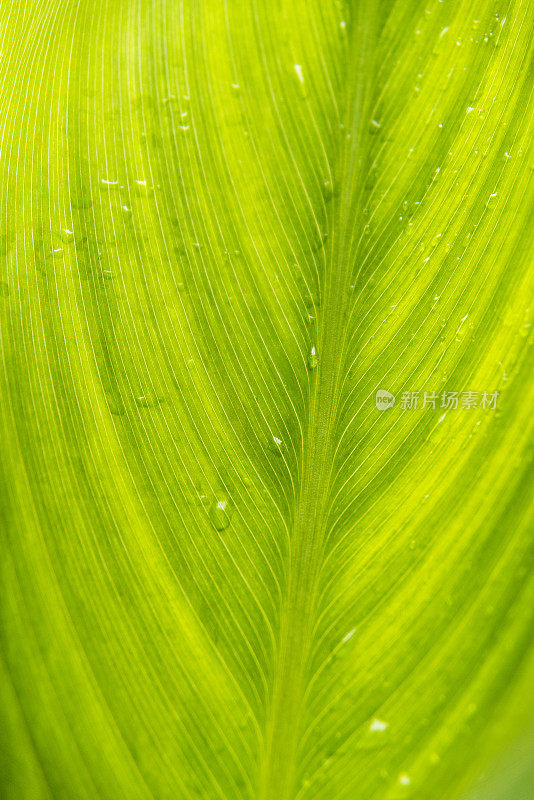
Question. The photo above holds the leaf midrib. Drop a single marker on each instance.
(280, 756)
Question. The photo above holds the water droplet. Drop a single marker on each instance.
(298, 70)
(311, 307)
(220, 513)
(106, 184)
(378, 725)
(143, 400)
(492, 200)
(312, 359)
(405, 780)
(142, 188)
(202, 496)
(116, 406)
(276, 445)
(204, 499)
(375, 126)
(66, 235)
(329, 191)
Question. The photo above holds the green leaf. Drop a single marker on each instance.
(230, 569)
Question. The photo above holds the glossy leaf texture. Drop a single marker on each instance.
(229, 572)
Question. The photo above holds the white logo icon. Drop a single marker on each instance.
(384, 400)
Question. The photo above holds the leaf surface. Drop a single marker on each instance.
(227, 572)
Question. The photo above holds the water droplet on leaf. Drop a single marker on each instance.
(378, 725)
(220, 513)
(276, 445)
(67, 236)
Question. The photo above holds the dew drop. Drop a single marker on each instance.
(142, 188)
(467, 239)
(220, 513)
(312, 359)
(375, 126)
(298, 70)
(378, 725)
(143, 400)
(276, 445)
(331, 190)
(116, 407)
(66, 235)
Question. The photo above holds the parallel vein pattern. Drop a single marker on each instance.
(225, 226)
